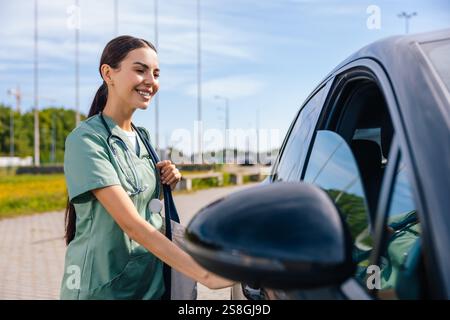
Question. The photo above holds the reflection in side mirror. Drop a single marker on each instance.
(280, 236)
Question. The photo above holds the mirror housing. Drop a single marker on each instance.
(280, 236)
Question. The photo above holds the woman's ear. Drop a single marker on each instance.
(106, 73)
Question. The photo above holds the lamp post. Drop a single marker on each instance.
(77, 66)
(407, 16)
(116, 18)
(257, 135)
(18, 95)
(11, 130)
(227, 123)
(199, 82)
(157, 96)
(36, 88)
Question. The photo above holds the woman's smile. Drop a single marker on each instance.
(145, 94)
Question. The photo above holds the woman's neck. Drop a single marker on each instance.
(121, 116)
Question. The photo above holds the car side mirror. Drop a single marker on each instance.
(280, 236)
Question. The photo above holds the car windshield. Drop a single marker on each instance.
(439, 54)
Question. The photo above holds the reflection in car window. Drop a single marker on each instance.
(439, 54)
(333, 167)
(400, 262)
(402, 199)
(294, 154)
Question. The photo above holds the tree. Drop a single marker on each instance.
(55, 124)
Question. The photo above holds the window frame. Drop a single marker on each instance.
(325, 85)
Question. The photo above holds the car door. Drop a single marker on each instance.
(353, 160)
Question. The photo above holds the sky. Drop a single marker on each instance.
(265, 55)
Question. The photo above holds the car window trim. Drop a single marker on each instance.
(384, 201)
(348, 73)
(326, 85)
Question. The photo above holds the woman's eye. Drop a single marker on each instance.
(140, 71)
(156, 75)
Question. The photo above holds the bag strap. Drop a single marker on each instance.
(169, 204)
(169, 208)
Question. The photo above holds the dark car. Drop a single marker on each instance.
(358, 203)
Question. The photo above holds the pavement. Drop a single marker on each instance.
(32, 250)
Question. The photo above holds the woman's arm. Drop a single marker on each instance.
(119, 205)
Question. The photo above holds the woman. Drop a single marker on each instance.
(115, 247)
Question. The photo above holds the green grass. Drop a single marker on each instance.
(28, 194)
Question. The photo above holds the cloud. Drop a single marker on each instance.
(177, 31)
(231, 87)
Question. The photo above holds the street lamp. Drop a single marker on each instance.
(157, 96)
(11, 120)
(77, 67)
(36, 88)
(199, 82)
(18, 95)
(407, 16)
(116, 17)
(257, 135)
(227, 123)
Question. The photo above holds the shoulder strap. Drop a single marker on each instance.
(169, 204)
(169, 208)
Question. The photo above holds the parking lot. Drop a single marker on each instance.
(32, 250)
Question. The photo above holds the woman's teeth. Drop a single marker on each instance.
(144, 93)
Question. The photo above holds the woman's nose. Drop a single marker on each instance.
(150, 79)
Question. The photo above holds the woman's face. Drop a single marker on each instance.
(136, 80)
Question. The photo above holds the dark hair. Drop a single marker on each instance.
(114, 53)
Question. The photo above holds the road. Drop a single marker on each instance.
(32, 249)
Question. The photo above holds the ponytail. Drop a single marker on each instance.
(69, 222)
(99, 102)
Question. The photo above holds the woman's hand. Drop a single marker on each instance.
(169, 173)
(214, 281)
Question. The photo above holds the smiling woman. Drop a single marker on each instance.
(114, 239)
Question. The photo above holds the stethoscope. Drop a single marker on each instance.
(111, 140)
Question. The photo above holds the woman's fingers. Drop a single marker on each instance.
(172, 180)
(166, 178)
(163, 163)
(169, 173)
(168, 168)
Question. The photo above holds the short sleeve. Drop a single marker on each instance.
(87, 165)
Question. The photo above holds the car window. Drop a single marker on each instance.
(400, 262)
(294, 154)
(333, 168)
(439, 54)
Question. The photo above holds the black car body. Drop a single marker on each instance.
(375, 135)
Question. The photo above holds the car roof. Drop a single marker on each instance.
(382, 50)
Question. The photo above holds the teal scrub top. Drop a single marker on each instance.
(102, 262)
